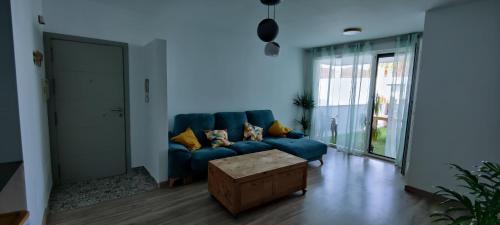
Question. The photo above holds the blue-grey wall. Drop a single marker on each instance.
(10, 139)
(457, 105)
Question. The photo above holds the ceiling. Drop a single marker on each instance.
(303, 23)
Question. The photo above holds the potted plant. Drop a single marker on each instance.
(306, 103)
(481, 206)
(376, 110)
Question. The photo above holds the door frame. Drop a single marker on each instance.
(49, 83)
(416, 61)
(373, 91)
(415, 71)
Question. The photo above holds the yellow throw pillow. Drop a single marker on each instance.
(188, 139)
(278, 130)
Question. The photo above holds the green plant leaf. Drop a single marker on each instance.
(484, 208)
(461, 220)
(455, 209)
(441, 217)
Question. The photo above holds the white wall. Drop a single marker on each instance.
(214, 72)
(149, 119)
(203, 64)
(457, 113)
(32, 107)
(156, 109)
(208, 70)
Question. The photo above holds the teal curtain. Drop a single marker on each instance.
(341, 77)
(404, 57)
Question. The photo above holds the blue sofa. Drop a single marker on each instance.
(184, 163)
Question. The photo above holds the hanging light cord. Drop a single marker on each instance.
(274, 12)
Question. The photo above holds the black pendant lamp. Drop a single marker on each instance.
(268, 29)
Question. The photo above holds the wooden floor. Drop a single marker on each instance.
(346, 190)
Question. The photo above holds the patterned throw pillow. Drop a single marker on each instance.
(252, 133)
(218, 138)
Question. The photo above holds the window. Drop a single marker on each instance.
(335, 81)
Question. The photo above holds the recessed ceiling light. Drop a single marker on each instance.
(352, 31)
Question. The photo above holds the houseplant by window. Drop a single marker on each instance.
(306, 102)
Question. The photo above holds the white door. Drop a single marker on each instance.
(89, 109)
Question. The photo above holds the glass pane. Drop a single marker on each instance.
(384, 84)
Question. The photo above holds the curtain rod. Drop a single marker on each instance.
(376, 40)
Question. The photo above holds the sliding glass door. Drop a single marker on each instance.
(381, 101)
(363, 96)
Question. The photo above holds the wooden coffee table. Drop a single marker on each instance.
(246, 181)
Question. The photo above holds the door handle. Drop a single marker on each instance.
(117, 109)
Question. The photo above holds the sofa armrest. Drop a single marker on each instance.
(179, 161)
(173, 147)
(295, 134)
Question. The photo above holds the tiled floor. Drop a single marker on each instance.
(86, 193)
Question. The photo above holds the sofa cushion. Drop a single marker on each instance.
(261, 118)
(245, 147)
(233, 122)
(305, 148)
(295, 134)
(199, 123)
(172, 146)
(200, 158)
